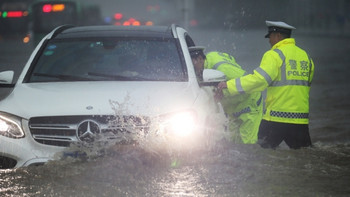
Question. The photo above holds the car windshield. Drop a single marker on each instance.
(109, 60)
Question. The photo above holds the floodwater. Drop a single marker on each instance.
(221, 169)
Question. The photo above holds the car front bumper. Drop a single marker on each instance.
(26, 151)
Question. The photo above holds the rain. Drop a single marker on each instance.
(156, 168)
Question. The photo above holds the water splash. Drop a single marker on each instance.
(153, 141)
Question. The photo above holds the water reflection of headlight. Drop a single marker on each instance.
(181, 124)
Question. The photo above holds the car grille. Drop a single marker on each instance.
(63, 130)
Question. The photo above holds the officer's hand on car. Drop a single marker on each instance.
(222, 85)
(219, 94)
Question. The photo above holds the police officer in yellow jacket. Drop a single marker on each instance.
(244, 111)
(286, 71)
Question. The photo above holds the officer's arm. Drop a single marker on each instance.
(262, 76)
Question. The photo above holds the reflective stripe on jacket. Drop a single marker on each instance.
(286, 71)
(233, 105)
(224, 63)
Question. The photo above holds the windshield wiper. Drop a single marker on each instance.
(64, 77)
(119, 77)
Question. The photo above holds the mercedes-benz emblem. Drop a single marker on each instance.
(87, 130)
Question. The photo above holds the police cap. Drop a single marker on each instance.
(278, 26)
(196, 50)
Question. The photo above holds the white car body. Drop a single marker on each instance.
(95, 98)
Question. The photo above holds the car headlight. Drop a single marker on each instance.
(180, 123)
(10, 126)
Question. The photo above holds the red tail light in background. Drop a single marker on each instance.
(149, 23)
(126, 23)
(53, 8)
(13, 14)
(136, 23)
(47, 8)
(119, 20)
(118, 16)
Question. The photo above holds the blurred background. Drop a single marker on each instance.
(308, 14)
(321, 16)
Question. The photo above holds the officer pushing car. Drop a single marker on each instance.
(244, 111)
(286, 71)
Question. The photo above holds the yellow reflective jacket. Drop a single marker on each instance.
(233, 104)
(286, 71)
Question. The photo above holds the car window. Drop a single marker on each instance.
(108, 60)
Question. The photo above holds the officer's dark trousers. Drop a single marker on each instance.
(271, 134)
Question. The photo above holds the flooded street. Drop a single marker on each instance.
(222, 168)
(232, 170)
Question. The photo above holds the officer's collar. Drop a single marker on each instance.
(284, 42)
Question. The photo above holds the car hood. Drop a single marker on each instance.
(98, 98)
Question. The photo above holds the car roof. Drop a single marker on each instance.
(115, 31)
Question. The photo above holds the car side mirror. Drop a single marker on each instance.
(6, 78)
(212, 77)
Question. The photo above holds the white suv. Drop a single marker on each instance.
(81, 82)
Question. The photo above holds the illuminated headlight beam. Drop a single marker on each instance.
(10, 127)
(181, 123)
